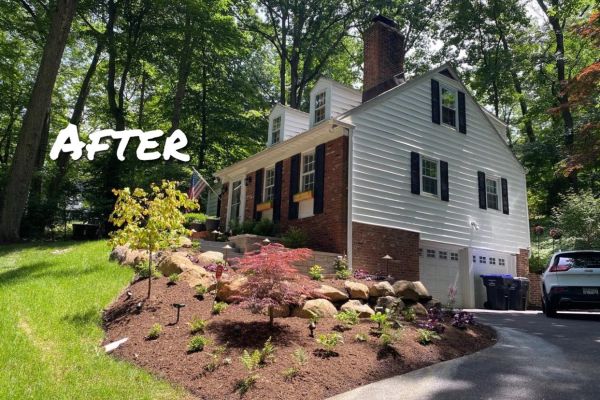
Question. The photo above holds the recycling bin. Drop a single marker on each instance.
(517, 293)
(497, 288)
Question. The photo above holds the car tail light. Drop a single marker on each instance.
(559, 268)
(558, 289)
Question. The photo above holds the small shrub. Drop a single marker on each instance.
(173, 279)
(141, 270)
(295, 238)
(250, 362)
(193, 218)
(381, 319)
(264, 227)
(197, 325)
(243, 385)
(462, 319)
(300, 359)
(316, 272)
(426, 336)
(266, 353)
(300, 356)
(248, 226)
(389, 337)
(361, 337)
(197, 343)
(329, 341)
(290, 373)
(154, 332)
(409, 314)
(362, 274)
(215, 361)
(347, 317)
(219, 307)
(343, 274)
(200, 291)
(341, 267)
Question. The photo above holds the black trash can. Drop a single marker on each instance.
(497, 290)
(518, 293)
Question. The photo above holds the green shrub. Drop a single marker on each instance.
(264, 227)
(341, 267)
(173, 278)
(381, 319)
(295, 238)
(141, 270)
(578, 219)
(154, 332)
(409, 314)
(426, 336)
(248, 226)
(290, 373)
(361, 337)
(197, 343)
(316, 272)
(251, 361)
(343, 274)
(215, 361)
(347, 317)
(193, 218)
(243, 385)
(329, 341)
(200, 291)
(197, 325)
(219, 307)
(300, 359)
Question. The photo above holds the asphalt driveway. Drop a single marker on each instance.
(535, 358)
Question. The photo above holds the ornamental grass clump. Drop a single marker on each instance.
(197, 325)
(272, 280)
(154, 332)
(219, 307)
(197, 343)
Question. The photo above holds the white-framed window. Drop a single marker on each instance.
(276, 130)
(269, 184)
(320, 101)
(307, 178)
(491, 193)
(454, 256)
(430, 253)
(492, 260)
(429, 175)
(236, 201)
(449, 104)
(474, 259)
(501, 262)
(481, 260)
(443, 255)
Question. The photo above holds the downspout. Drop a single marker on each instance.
(349, 207)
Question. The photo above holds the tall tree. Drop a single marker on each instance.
(30, 135)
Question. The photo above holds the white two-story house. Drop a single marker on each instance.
(415, 169)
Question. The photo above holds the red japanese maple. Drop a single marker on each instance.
(273, 280)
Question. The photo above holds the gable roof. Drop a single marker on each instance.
(287, 109)
(446, 69)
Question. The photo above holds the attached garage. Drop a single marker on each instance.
(488, 262)
(439, 269)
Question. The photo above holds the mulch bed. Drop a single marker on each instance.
(356, 364)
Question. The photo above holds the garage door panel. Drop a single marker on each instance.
(438, 269)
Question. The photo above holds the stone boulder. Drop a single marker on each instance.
(209, 257)
(282, 311)
(421, 291)
(433, 303)
(381, 289)
(174, 263)
(332, 294)
(357, 290)
(389, 302)
(229, 288)
(198, 276)
(406, 290)
(118, 254)
(321, 307)
(363, 310)
(420, 309)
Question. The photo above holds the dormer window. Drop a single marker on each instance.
(449, 106)
(320, 101)
(276, 130)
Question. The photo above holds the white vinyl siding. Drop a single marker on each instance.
(338, 99)
(385, 133)
(276, 130)
(286, 121)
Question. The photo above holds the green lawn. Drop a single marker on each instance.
(51, 298)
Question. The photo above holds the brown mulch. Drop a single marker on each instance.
(356, 364)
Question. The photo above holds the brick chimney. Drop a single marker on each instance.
(384, 57)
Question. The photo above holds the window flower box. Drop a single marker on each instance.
(307, 195)
(264, 206)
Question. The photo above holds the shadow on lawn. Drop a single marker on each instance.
(82, 318)
(9, 249)
(41, 270)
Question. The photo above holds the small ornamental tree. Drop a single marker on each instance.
(272, 279)
(150, 221)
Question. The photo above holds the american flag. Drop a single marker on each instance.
(197, 185)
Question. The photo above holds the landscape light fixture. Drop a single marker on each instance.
(129, 294)
(178, 306)
(266, 241)
(138, 306)
(311, 327)
(227, 247)
(387, 259)
(248, 180)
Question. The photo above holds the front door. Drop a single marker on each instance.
(235, 206)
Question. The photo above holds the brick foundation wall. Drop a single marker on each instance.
(523, 263)
(370, 243)
(535, 289)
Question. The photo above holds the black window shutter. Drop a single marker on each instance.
(462, 113)
(218, 206)
(319, 179)
(415, 174)
(504, 184)
(445, 193)
(481, 184)
(277, 191)
(294, 186)
(435, 101)
(258, 192)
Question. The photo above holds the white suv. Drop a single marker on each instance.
(571, 281)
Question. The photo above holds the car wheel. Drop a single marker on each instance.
(548, 310)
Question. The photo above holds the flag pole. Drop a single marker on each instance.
(201, 177)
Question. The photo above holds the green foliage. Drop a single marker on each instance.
(173, 278)
(290, 373)
(258, 358)
(409, 314)
(200, 291)
(197, 325)
(197, 343)
(329, 341)
(348, 317)
(426, 336)
(243, 385)
(300, 356)
(193, 218)
(300, 359)
(219, 307)
(216, 359)
(341, 267)
(295, 238)
(154, 332)
(316, 272)
(361, 337)
(143, 270)
(578, 217)
(264, 227)
(381, 319)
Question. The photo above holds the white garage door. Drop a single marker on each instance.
(438, 268)
(489, 262)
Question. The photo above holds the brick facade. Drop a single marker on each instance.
(370, 243)
(535, 290)
(523, 263)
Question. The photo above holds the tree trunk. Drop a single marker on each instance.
(204, 118)
(149, 272)
(21, 171)
(142, 100)
(283, 61)
(184, 72)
